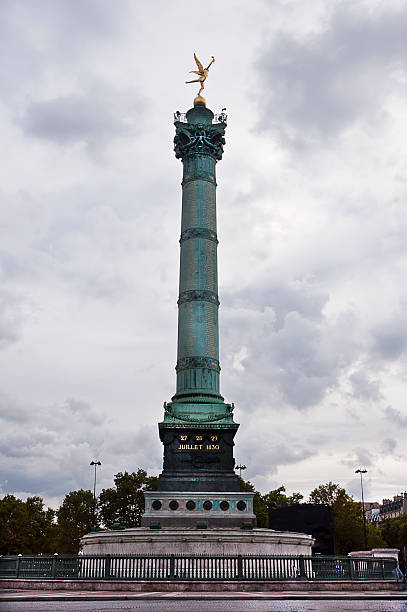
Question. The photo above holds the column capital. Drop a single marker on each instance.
(198, 132)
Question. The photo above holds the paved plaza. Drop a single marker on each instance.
(201, 602)
(225, 605)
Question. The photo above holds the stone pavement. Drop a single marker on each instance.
(31, 595)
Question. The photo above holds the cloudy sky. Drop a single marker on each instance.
(311, 219)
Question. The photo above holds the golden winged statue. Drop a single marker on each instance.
(202, 76)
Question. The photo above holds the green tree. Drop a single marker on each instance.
(13, 526)
(41, 526)
(346, 514)
(125, 499)
(329, 494)
(394, 531)
(375, 537)
(258, 506)
(26, 527)
(75, 518)
(347, 519)
(275, 498)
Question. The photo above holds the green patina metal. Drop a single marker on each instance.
(198, 142)
(198, 232)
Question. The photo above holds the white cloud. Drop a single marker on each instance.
(315, 86)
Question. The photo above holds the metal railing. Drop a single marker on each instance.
(218, 118)
(191, 567)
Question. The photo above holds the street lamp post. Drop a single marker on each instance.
(240, 467)
(361, 472)
(94, 463)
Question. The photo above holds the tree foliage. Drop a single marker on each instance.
(275, 498)
(75, 518)
(26, 527)
(42, 528)
(125, 500)
(395, 533)
(30, 528)
(330, 494)
(347, 519)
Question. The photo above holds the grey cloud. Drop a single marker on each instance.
(388, 445)
(12, 411)
(94, 118)
(95, 249)
(390, 338)
(10, 267)
(395, 416)
(48, 35)
(317, 86)
(55, 416)
(46, 450)
(83, 411)
(269, 452)
(301, 357)
(11, 318)
(363, 387)
(21, 443)
(353, 488)
(34, 460)
(283, 297)
(43, 484)
(284, 455)
(140, 447)
(360, 458)
(87, 239)
(97, 112)
(78, 21)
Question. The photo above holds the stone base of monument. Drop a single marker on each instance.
(197, 523)
(182, 541)
(202, 510)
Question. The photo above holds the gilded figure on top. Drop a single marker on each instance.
(202, 76)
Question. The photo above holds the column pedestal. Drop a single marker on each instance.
(198, 510)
